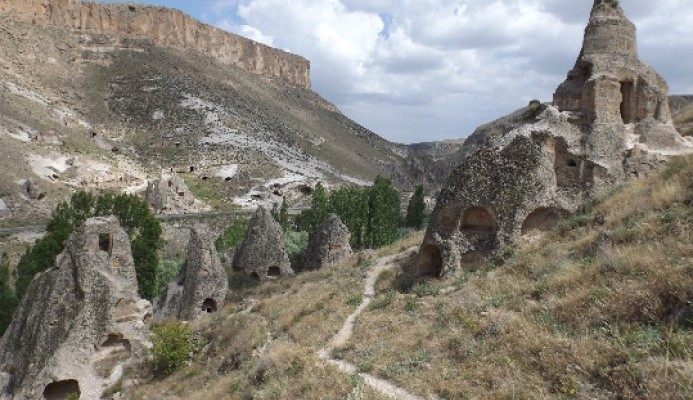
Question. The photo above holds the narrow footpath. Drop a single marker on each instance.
(342, 337)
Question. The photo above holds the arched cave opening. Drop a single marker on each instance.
(541, 220)
(62, 390)
(105, 242)
(255, 276)
(209, 306)
(274, 271)
(430, 263)
(478, 220)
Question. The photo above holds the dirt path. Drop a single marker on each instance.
(343, 336)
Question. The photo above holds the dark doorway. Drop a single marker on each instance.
(274, 271)
(209, 306)
(627, 102)
(430, 262)
(61, 390)
(477, 219)
(105, 242)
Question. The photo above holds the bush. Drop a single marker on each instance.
(8, 301)
(296, 244)
(172, 346)
(167, 271)
(231, 236)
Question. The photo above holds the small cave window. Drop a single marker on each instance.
(274, 271)
(255, 276)
(192, 169)
(170, 184)
(209, 306)
(478, 219)
(305, 189)
(105, 242)
(116, 340)
(227, 179)
(430, 263)
(572, 163)
(62, 390)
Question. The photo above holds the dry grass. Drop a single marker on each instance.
(600, 308)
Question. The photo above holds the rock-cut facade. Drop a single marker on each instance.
(80, 324)
(609, 121)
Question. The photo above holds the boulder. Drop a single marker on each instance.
(32, 191)
(262, 254)
(329, 244)
(201, 284)
(521, 174)
(80, 323)
(4, 210)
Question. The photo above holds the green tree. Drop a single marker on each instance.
(350, 203)
(416, 209)
(8, 300)
(171, 346)
(284, 215)
(232, 235)
(319, 208)
(135, 218)
(383, 213)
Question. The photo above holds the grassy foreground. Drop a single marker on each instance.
(600, 308)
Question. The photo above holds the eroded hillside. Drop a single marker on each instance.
(599, 307)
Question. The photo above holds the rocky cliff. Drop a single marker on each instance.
(163, 27)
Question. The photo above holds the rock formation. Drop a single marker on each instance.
(262, 254)
(170, 195)
(329, 244)
(32, 191)
(164, 27)
(4, 210)
(520, 174)
(201, 284)
(80, 323)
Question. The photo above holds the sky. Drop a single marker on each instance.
(424, 70)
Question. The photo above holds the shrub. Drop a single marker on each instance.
(296, 244)
(8, 301)
(167, 271)
(231, 236)
(172, 346)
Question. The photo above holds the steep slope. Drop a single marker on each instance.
(110, 110)
(599, 308)
(682, 112)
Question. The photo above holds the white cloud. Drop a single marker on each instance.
(415, 70)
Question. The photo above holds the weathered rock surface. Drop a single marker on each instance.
(170, 195)
(164, 27)
(32, 191)
(262, 254)
(4, 210)
(81, 322)
(201, 284)
(329, 244)
(519, 175)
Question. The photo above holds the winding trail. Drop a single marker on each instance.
(342, 337)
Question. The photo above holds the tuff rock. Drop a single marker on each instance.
(262, 254)
(519, 175)
(80, 323)
(329, 244)
(170, 195)
(201, 284)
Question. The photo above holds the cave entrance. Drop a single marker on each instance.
(62, 390)
(627, 102)
(430, 262)
(105, 243)
(209, 306)
(541, 220)
(274, 271)
(478, 220)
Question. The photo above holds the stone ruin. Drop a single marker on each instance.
(170, 195)
(81, 322)
(31, 191)
(201, 285)
(329, 244)
(610, 121)
(262, 254)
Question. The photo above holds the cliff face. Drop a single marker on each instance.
(164, 27)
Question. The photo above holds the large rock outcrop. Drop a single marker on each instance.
(329, 244)
(519, 175)
(80, 323)
(262, 254)
(164, 27)
(170, 195)
(201, 284)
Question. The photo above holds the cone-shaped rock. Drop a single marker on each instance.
(80, 323)
(201, 284)
(329, 244)
(262, 254)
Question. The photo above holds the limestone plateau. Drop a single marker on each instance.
(164, 27)
(609, 122)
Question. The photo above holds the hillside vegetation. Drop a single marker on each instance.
(600, 308)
